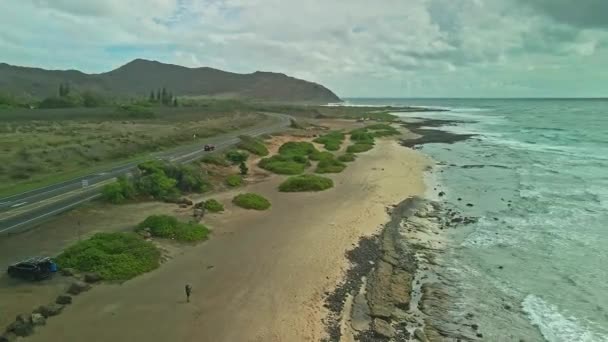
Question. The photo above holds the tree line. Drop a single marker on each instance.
(164, 97)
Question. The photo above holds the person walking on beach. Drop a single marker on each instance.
(188, 292)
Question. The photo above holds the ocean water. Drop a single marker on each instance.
(535, 266)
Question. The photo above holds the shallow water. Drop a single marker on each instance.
(536, 263)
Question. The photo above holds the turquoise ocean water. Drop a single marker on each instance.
(535, 266)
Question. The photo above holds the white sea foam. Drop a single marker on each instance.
(556, 327)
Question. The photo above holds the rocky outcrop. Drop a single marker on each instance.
(64, 299)
(404, 297)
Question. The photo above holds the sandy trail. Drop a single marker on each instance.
(262, 276)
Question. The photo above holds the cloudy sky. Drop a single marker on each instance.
(382, 48)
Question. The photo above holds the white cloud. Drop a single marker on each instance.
(356, 47)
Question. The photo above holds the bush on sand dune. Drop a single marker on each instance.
(306, 183)
(251, 201)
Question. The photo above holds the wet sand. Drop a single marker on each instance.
(262, 276)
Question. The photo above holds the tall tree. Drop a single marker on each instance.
(61, 91)
(175, 104)
(152, 96)
(66, 89)
(158, 95)
(164, 96)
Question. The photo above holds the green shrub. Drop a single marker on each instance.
(215, 159)
(318, 155)
(236, 157)
(58, 102)
(243, 168)
(213, 206)
(251, 201)
(119, 191)
(253, 145)
(361, 135)
(331, 141)
(294, 148)
(234, 180)
(304, 183)
(164, 181)
(358, 148)
(157, 185)
(295, 124)
(168, 227)
(114, 256)
(330, 166)
(348, 157)
(284, 165)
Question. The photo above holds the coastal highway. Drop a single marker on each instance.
(24, 210)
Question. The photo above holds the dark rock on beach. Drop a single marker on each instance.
(64, 299)
(78, 287)
(92, 278)
(49, 310)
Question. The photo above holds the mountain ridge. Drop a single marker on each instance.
(140, 76)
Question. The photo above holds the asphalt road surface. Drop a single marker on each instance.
(25, 210)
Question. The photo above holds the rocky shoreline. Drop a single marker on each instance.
(395, 289)
(429, 135)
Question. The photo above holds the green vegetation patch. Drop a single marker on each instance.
(213, 206)
(297, 148)
(285, 165)
(236, 157)
(318, 155)
(251, 201)
(359, 147)
(234, 180)
(304, 183)
(330, 165)
(331, 141)
(382, 130)
(253, 145)
(347, 157)
(215, 159)
(119, 192)
(168, 227)
(361, 135)
(114, 256)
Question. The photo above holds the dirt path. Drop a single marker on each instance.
(262, 276)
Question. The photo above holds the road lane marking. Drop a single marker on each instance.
(50, 213)
(18, 204)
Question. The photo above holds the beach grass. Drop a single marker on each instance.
(318, 155)
(114, 256)
(213, 205)
(251, 201)
(330, 165)
(331, 141)
(285, 165)
(359, 148)
(234, 180)
(168, 227)
(347, 157)
(306, 183)
(253, 145)
(215, 159)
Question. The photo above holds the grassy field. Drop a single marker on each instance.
(40, 147)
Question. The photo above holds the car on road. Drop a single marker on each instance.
(36, 268)
(209, 148)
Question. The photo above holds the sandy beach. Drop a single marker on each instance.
(262, 276)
